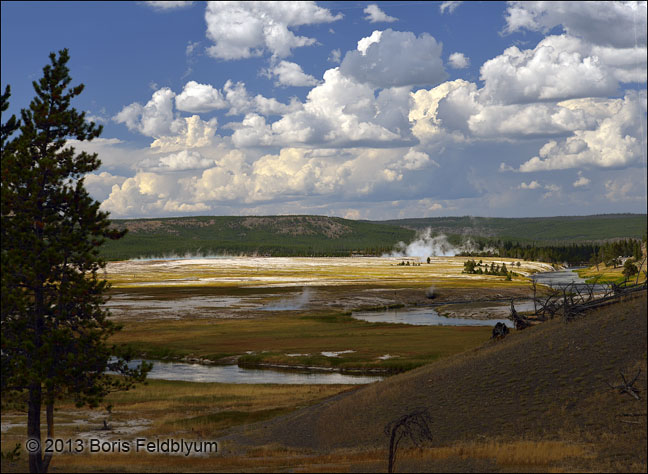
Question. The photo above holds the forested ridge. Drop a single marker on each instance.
(551, 239)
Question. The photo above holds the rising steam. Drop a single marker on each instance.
(425, 245)
(292, 303)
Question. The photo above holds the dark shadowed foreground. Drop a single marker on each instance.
(546, 386)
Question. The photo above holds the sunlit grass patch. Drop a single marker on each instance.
(270, 339)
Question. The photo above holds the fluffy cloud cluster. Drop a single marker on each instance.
(154, 119)
(361, 133)
(287, 175)
(395, 59)
(290, 74)
(615, 141)
(560, 67)
(246, 29)
(338, 112)
(198, 98)
(615, 24)
(458, 61)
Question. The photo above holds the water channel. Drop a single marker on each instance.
(414, 316)
(235, 374)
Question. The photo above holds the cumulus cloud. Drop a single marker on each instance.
(394, 59)
(532, 185)
(143, 194)
(240, 102)
(182, 161)
(458, 61)
(99, 185)
(456, 100)
(338, 112)
(234, 177)
(375, 15)
(558, 68)
(190, 132)
(153, 119)
(582, 181)
(247, 29)
(615, 142)
(290, 74)
(617, 24)
(198, 98)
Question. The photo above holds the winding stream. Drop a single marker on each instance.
(235, 374)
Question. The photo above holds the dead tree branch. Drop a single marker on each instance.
(414, 425)
(627, 387)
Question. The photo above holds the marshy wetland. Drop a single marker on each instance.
(243, 340)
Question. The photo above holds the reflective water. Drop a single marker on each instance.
(235, 374)
(422, 317)
(561, 278)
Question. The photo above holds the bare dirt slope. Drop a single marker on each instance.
(549, 382)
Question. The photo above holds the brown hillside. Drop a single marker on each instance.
(545, 383)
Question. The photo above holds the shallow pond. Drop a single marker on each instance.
(422, 317)
(235, 374)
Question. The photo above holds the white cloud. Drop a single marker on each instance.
(247, 29)
(617, 24)
(367, 41)
(290, 74)
(458, 98)
(99, 185)
(153, 119)
(450, 6)
(558, 68)
(338, 112)
(617, 141)
(552, 190)
(396, 59)
(335, 56)
(190, 132)
(198, 98)
(619, 190)
(240, 102)
(458, 61)
(181, 161)
(581, 182)
(168, 5)
(143, 194)
(375, 15)
(532, 185)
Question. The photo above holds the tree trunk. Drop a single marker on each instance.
(50, 432)
(33, 429)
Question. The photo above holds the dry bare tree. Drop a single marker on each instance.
(414, 426)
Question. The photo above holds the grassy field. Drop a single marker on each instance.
(538, 401)
(323, 322)
(268, 340)
(605, 274)
(160, 409)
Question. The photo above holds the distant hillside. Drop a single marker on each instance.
(270, 235)
(537, 229)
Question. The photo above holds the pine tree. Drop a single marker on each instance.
(54, 325)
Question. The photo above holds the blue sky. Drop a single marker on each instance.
(353, 109)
